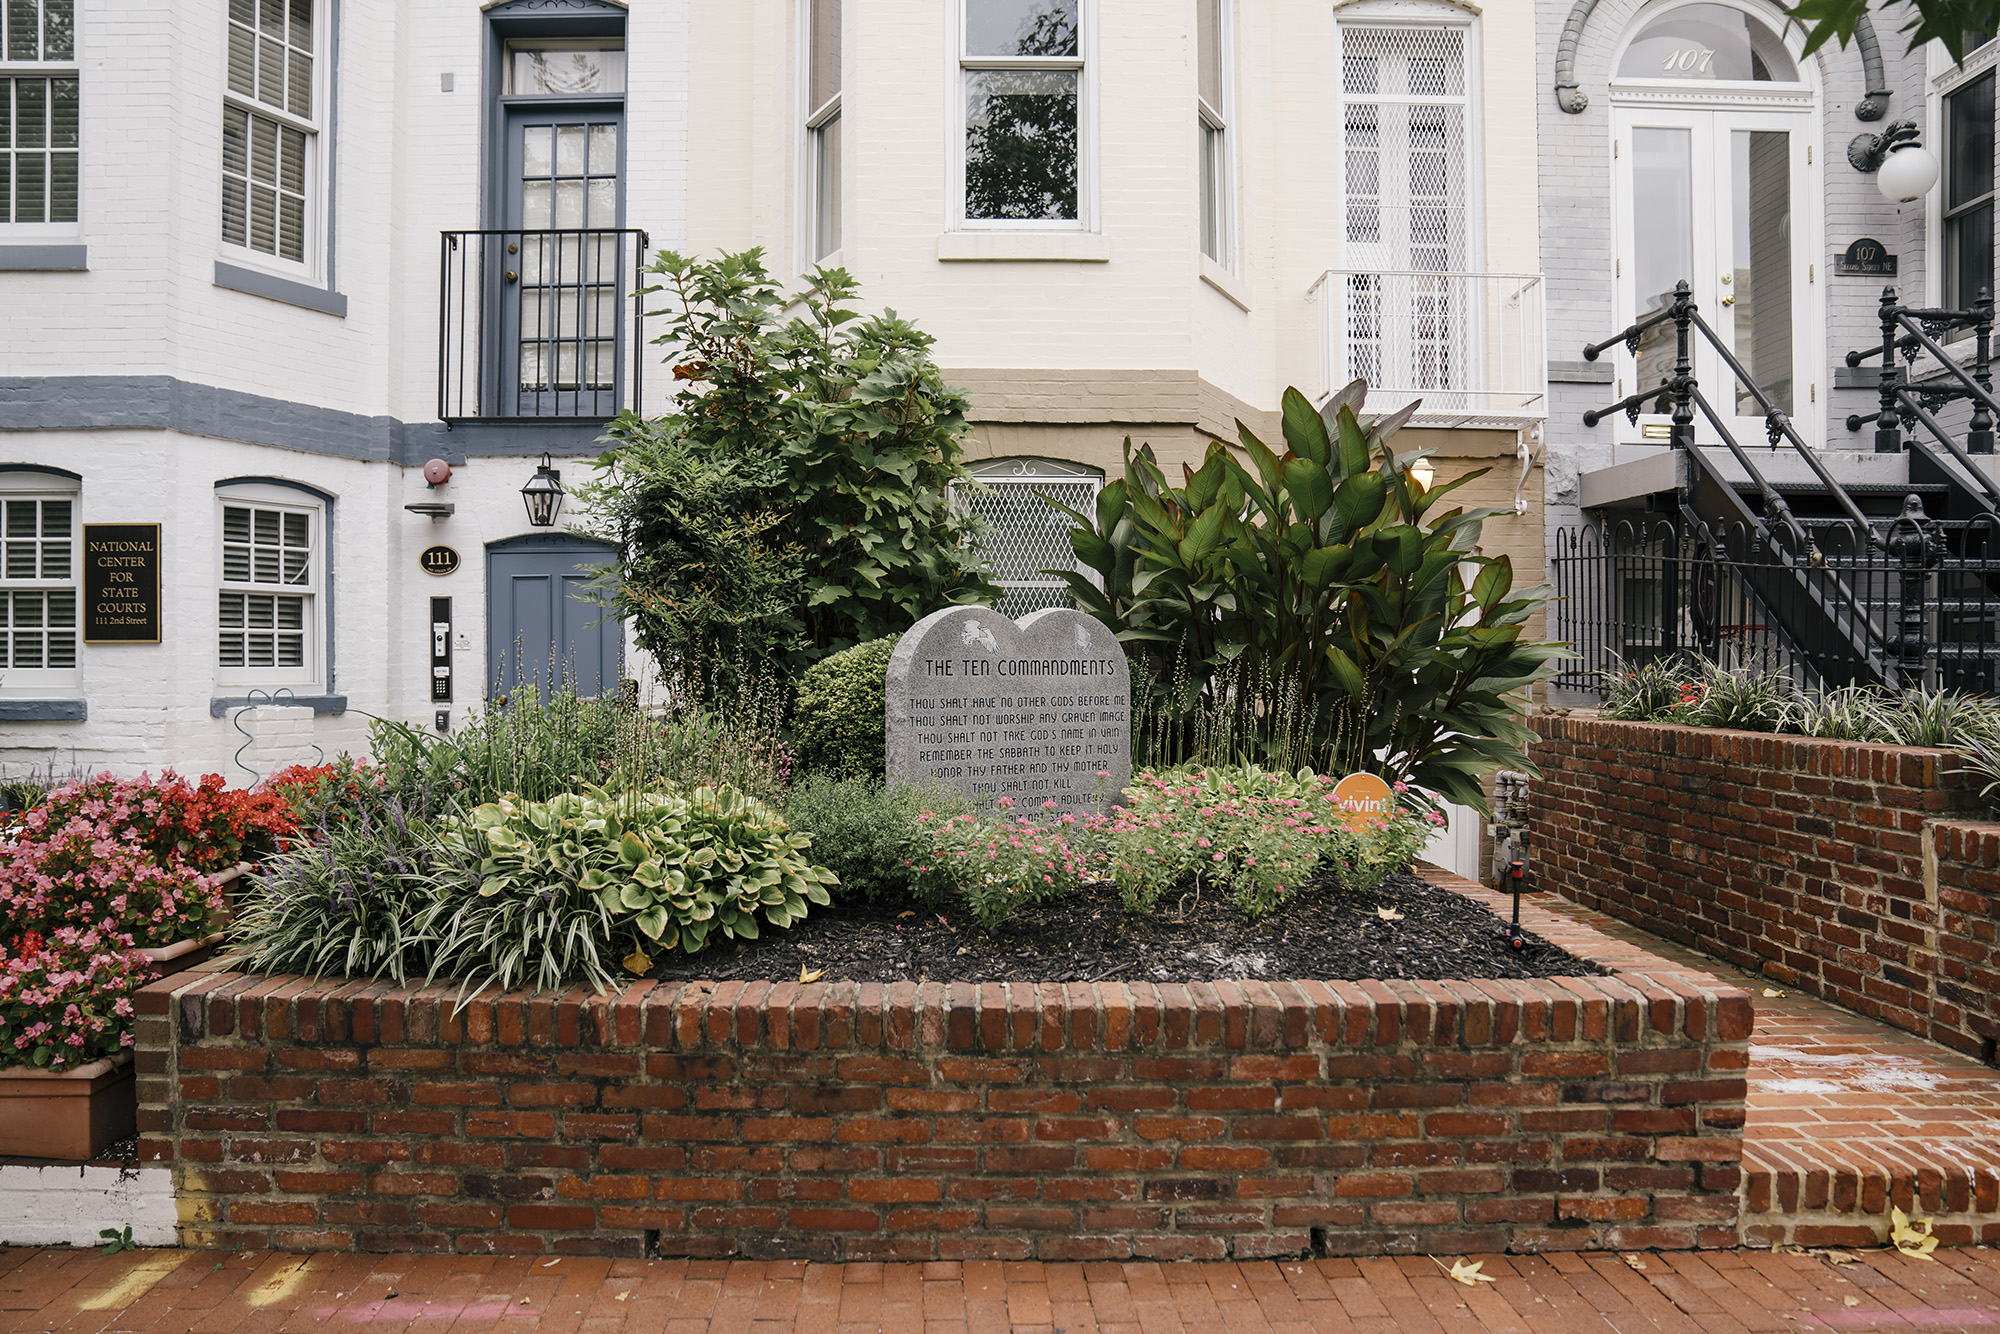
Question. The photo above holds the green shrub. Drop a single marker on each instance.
(998, 865)
(797, 499)
(838, 723)
(1355, 595)
(868, 833)
(566, 883)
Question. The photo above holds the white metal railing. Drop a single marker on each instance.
(1472, 346)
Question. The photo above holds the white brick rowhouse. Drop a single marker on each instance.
(245, 299)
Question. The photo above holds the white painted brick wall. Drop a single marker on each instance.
(70, 1206)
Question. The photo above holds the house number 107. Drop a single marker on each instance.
(1688, 60)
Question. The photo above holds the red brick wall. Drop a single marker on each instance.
(1802, 859)
(945, 1121)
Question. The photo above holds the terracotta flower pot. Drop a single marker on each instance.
(69, 1114)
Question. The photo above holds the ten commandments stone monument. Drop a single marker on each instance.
(1034, 710)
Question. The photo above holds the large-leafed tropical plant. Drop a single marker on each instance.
(1328, 574)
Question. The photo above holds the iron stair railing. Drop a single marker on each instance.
(1811, 605)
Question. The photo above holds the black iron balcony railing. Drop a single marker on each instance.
(539, 325)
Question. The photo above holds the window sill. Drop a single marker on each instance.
(273, 288)
(1225, 282)
(1070, 247)
(319, 704)
(44, 711)
(52, 258)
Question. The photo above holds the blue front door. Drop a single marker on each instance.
(542, 623)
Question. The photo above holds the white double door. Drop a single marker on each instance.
(1725, 199)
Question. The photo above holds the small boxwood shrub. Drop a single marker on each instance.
(838, 723)
(869, 833)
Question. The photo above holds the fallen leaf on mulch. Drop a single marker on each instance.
(1389, 914)
(813, 976)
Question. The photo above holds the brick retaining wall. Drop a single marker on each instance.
(907, 1121)
(1857, 873)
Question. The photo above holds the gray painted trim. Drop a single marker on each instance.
(44, 258)
(320, 704)
(1874, 104)
(331, 155)
(164, 403)
(1580, 372)
(44, 711)
(1571, 98)
(267, 285)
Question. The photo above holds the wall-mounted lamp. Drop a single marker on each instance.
(1904, 169)
(543, 495)
(1422, 473)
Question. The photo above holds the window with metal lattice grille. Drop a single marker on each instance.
(38, 589)
(1409, 316)
(1023, 535)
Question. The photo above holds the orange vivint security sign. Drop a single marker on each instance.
(1363, 800)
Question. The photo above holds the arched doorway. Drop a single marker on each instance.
(543, 624)
(1715, 133)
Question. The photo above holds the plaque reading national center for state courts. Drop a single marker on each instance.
(1038, 710)
(121, 583)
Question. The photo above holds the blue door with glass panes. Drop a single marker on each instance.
(563, 273)
(543, 624)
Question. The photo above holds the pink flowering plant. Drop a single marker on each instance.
(1005, 862)
(67, 1001)
(1255, 833)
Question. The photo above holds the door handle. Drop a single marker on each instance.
(512, 276)
(1729, 301)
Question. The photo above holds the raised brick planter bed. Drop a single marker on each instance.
(1858, 873)
(847, 1121)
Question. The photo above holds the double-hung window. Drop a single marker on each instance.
(268, 595)
(1022, 71)
(38, 112)
(1212, 119)
(38, 583)
(823, 126)
(270, 128)
(1967, 198)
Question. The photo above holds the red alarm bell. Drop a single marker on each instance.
(437, 472)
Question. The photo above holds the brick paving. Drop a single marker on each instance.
(1710, 1292)
(1847, 1116)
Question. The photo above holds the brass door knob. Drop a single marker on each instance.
(512, 276)
(1729, 301)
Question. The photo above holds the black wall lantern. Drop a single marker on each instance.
(543, 495)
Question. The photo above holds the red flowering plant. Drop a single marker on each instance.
(66, 1000)
(324, 794)
(1003, 863)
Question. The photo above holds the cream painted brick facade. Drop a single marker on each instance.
(152, 383)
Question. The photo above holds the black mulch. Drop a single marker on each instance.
(1326, 935)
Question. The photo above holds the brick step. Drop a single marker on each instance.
(1816, 1193)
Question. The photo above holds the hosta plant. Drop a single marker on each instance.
(660, 868)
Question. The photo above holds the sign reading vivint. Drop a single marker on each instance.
(1039, 710)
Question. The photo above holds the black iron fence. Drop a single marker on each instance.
(1919, 604)
(539, 325)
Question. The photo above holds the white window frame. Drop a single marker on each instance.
(1943, 79)
(814, 121)
(316, 618)
(312, 266)
(19, 232)
(1219, 120)
(41, 682)
(1084, 63)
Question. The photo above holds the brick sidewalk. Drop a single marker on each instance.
(1712, 1292)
